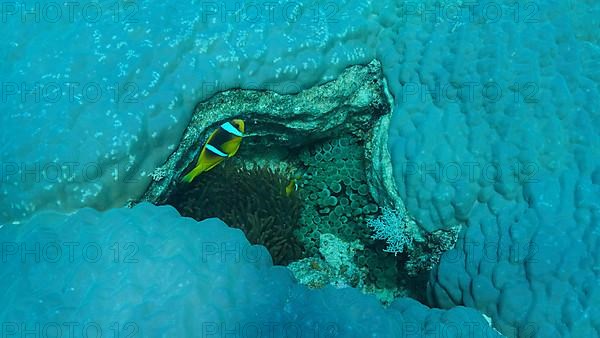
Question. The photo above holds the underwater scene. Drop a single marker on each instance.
(300, 168)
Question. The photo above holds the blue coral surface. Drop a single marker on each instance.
(148, 272)
(495, 127)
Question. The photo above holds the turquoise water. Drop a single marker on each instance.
(447, 185)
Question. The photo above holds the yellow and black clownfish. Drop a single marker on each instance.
(221, 144)
(291, 187)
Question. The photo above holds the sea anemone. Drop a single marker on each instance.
(251, 198)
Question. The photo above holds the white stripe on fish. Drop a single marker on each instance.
(231, 129)
(215, 151)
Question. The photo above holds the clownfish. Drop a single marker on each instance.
(221, 144)
(291, 187)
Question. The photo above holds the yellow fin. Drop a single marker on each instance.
(214, 163)
(291, 187)
(192, 174)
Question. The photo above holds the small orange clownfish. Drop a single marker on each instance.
(221, 144)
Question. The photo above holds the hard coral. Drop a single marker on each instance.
(335, 190)
(250, 198)
(338, 202)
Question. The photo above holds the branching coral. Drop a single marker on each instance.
(251, 198)
(391, 227)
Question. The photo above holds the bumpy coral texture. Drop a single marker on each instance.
(335, 190)
(496, 127)
(541, 131)
(182, 279)
(337, 201)
(103, 120)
